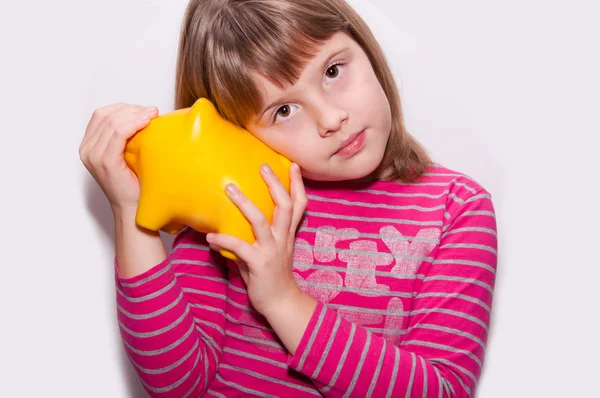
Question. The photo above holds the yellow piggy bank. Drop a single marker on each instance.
(185, 158)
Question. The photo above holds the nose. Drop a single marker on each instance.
(330, 117)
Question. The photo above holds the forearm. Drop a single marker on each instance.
(159, 312)
(345, 359)
(137, 249)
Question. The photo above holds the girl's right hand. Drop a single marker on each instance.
(103, 146)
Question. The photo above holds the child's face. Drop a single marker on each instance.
(329, 105)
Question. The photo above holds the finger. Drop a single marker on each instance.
(98, 118)
(244, 271)
(114, 115)
(125, 121)
(256, 218)
(282, 214)
(236, 245)
(111, 143)
(299, 199)
(119, 113)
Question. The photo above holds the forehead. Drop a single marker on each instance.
(270, 89)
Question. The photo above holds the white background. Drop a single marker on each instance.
(506, 92)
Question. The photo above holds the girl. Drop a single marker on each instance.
(376, 275)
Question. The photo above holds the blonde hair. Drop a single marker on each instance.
(223, 41)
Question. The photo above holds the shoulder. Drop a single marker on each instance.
(438, 180)
(441, 187)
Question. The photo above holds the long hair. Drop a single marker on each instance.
(223, 41)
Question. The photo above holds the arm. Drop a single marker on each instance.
(442, 353)
(171, 313)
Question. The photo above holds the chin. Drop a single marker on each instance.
(354, 169)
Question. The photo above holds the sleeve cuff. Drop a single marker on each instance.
(311, 347)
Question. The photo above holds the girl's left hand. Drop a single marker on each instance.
(267, 263)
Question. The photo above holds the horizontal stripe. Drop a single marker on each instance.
(132, 285)
(375, 205)
(158, 312)
(354, 308)
(374, 219)
(469, 246)
(176, 384)
(442, 347)
(450, 312)
(203, 293)
(205, 248)
(450, 363)
(157, 332)
(405, 194)
(471, 229)
(368, 292)
(455, 295)
(355, 234)
(200, 263)
(162, 350)
(202, 277)
(361, 253)
(213, 325)
(171, 366)
(477, 197)
(260, 376)
(478, 213)
(243, 389)
(216, 394)
(459, 279)
(149, 296)
(253, 339)
(456, 332)
(302, 267)
(256, 357)
(470, 263)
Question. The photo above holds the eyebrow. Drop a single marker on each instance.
(323, 65)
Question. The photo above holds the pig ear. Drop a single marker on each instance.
(204, 116)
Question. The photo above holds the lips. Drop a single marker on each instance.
(348, 141)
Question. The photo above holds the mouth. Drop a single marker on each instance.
(352, 144)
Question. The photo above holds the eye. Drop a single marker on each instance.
(283, 111)
(333, 71)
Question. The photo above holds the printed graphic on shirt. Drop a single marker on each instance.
(363, 261)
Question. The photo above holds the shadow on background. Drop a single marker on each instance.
(98, 207)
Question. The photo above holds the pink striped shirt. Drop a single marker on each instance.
(404, 277)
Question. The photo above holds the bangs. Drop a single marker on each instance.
(271, 38)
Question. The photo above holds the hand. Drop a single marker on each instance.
(102, 151)
(266, 265)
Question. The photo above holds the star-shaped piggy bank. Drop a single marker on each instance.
(185, 158)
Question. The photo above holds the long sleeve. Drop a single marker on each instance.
(172, 318)
(442, 352)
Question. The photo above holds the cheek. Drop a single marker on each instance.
(365, 96)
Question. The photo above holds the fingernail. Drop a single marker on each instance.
(209, 237)
(296, 167)
(266, 169)
(232, 190)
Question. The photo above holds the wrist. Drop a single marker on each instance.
(290, 318)
(124, 212)
(288, 304)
